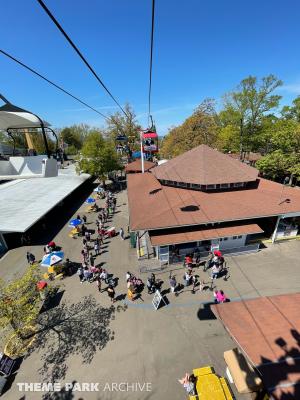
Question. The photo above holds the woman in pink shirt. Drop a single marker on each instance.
(220, 296)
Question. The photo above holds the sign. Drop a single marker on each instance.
(157, 299)
(214, 247)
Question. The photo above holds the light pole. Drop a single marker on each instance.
(142, 152)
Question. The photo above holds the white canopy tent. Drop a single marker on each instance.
(13, 117)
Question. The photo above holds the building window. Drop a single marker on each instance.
(224, 185)
(210, 187)
(221, 239)
(225, 239)
(195, 186)
(240, 237)
(234, 237)
(238, 184)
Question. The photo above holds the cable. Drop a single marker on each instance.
(151, 58)
(52, 83)
(42, 4)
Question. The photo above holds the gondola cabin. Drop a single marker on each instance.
(150, 142)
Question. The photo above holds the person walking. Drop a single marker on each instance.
(173, 283)
(111, 293)
(30, 258)
(98, 281)
(92, 261)
(80, 274)
(121, 233)
(84, 219)
(96, 247)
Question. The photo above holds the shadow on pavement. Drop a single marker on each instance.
(72, 329)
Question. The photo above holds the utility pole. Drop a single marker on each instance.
(241, 139)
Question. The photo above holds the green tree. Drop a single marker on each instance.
(276, 165)
(71, 137)
(200, 128)
(292, 112)
(20, 301)
(98, 156)
(119, 124)
(250, 103)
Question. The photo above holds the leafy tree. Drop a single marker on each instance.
(292, 112)
(276, 165)
(250, 103)
(119, 124)
(98, 156)
(200, 128)
(71, 137)
(20, 301)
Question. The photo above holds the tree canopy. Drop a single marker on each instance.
(248, 121)
(98, 156)
(20, 301)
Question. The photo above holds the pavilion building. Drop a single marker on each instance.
(207, 199)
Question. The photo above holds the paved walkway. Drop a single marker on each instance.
(139, 344)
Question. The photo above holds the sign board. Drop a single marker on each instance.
(157, 299)
(214, 247)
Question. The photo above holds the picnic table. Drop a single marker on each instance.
(209, 386)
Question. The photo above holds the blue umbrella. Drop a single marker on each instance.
(75, 222)
(90, 200)
(52, 258)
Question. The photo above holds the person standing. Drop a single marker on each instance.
(173, 283)
(96, 247)
(121, 233)
(30, 258)
(80, 274)
(111, 293)
(98, 281)
(84, 219)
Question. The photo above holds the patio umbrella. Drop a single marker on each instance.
(75, 222)
(52, 258)
(98, 190)
(217, 253)
(51, 244)
(90, 200)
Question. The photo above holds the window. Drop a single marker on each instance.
(211, 187)
(240, 237)
(181, 184)
(225, 239)
(238, 184)
(195, 186)
(234, 237)
(224, 185)
(221, 239)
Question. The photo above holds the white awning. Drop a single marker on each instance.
(15, 117)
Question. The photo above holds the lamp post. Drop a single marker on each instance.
(142, 152)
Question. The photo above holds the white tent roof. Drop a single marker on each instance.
(24, 201)
(15, 117)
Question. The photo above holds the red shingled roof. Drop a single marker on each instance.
(154, 206)
(136, 166)
(159, 238)
(267, 330)
(205, 166)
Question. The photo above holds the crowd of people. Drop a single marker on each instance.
(91, 270)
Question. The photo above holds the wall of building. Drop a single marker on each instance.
(231, 242)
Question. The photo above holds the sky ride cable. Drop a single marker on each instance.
(52, 83)
(51, 16)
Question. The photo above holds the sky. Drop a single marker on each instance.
(201, 49)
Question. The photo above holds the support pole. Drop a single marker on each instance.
(275, 230)
(142, 153)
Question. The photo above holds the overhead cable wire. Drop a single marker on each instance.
(151, 60)
(54, 20)
(52, 83)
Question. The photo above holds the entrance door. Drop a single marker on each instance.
(164, 254)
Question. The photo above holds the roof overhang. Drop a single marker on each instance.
(197, 235)
(13, 117)
(266, 329)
